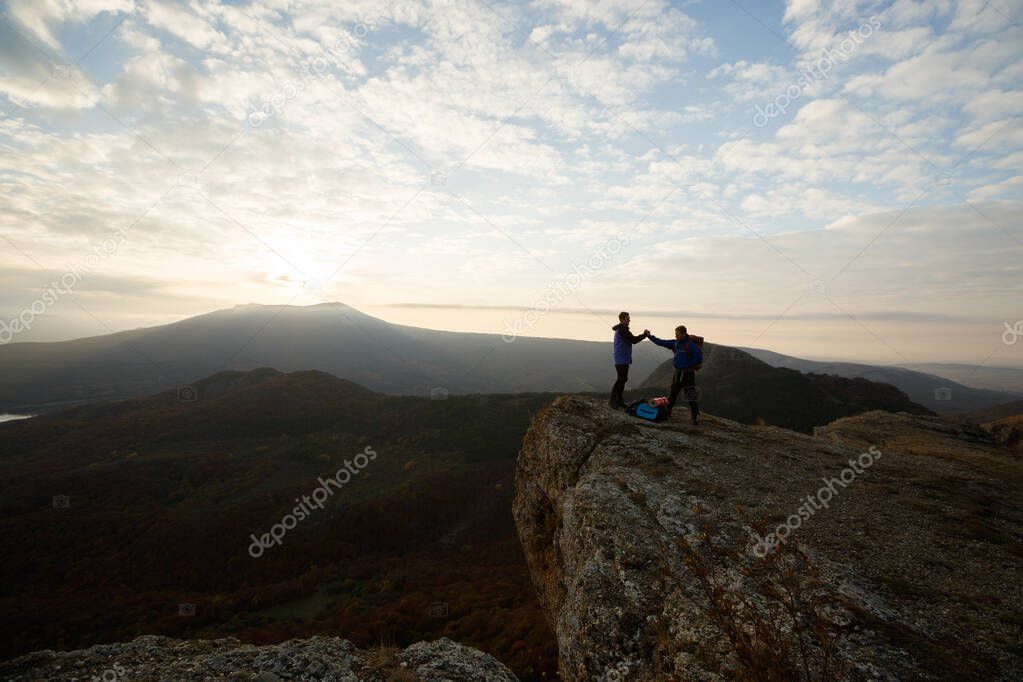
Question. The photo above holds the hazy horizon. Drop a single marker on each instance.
(829, 182)
(660, 324)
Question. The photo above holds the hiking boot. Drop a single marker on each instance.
(695, 419)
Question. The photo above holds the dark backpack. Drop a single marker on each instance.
(631, 407)
(698, 340)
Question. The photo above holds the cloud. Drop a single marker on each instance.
(469, 152)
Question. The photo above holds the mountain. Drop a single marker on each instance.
(886, 546)
(736, 385)
(994, 378)
(180, 518)
(330, 337)
(933, 392)
(154, 659)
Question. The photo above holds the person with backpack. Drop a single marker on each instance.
(687, 359)
(623, 343)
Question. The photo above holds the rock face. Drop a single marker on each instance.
(327, 659)
(883, 547)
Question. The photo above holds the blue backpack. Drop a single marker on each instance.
(643, 410)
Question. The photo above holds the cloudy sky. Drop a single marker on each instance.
(831, 180)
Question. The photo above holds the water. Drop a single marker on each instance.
(12, 417)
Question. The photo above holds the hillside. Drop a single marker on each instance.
(1004, 422)
(885, 547)
(937, 393)
(995, 378)
(735, 385)
(1004, 411)
(138, 517)
(330, 337)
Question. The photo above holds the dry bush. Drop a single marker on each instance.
(771, 611)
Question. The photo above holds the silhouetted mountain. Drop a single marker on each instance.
(933, 392)
(736, 385)
(330, 337)
(116, 514)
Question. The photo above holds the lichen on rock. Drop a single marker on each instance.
(642, 542)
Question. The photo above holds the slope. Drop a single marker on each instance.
(933, 392)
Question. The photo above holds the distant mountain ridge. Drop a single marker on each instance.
(736, 385)
(937, 393)
(992, 378)
(402, 360)
(330, 337)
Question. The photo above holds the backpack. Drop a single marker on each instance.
(651, 413)
(698, 340)
(631, 407)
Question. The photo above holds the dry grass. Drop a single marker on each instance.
(772, 620)
(382, 663)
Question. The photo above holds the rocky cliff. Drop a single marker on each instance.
(323, 659)
(886, 546)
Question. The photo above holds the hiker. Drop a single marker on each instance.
(687, 356)
(624, 341)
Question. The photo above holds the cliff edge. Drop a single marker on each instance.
(883, 547)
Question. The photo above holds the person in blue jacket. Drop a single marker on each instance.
(624, 341)
(687, 355)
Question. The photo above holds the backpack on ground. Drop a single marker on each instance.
(631, 407)
(652, 413)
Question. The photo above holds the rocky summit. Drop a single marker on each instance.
(326, 659)
(881, 547)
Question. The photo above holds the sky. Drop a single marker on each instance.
(830, 180)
